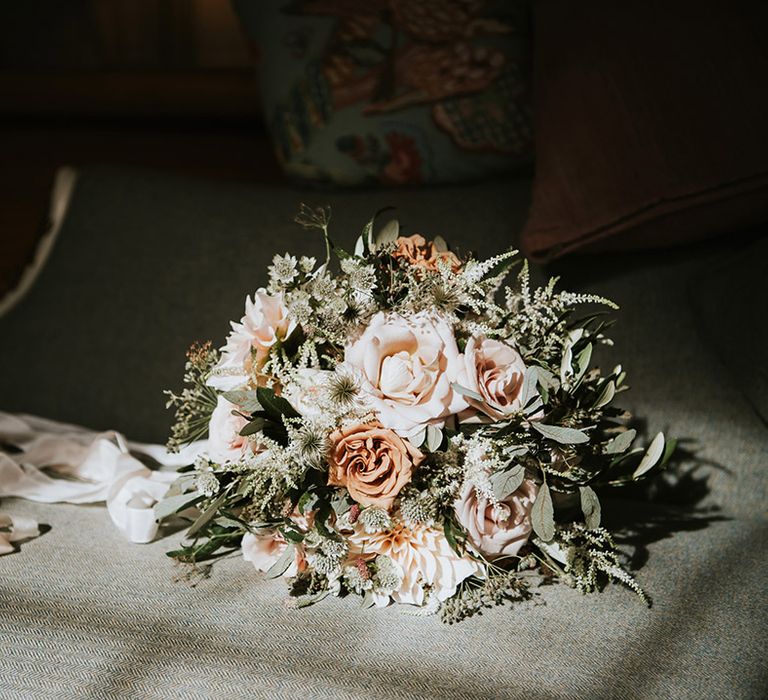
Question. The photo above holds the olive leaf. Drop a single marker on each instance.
(543, 514)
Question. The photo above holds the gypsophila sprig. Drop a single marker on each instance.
(408, 425)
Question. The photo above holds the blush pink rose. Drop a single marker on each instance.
(264, 547)
(499, 531)
(372, 463)
(225, 444)
(265, 322)
(407, 367)
(495, 371)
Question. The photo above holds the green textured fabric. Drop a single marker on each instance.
(81, 619)
(145, 264)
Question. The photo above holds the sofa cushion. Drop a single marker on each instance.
(649, 123)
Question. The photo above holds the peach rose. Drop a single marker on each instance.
(407, 367)
(372, 463)
(422, 253)
(499, 531)
(225, 444)
(265, 322)
(496, 371)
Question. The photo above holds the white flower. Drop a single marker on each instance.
(283, 269)
(266, 321)
(422, 555)
(307, 391)
(408, 366)
(225, 444)
(499, 529)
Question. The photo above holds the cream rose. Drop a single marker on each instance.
(422, 253)
(372, 463)
(225, 444)
(407, 366)
(265, 322)
(495, 371)
(501, 530)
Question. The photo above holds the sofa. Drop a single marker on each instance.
(146, 263)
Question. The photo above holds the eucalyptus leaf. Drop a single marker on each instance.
(529, 385)
(246, 399)
(590, 506)
(255, 426)
(440, 245)
(434, 438)
(543, 514)
(275, 406)
(389, 233)
(651, 457)
(468, 393)
(207, 515)
(281, 565)
(506, 482)
(620, 443)
(306, 502)
(418, 438)
(606, 395)
(305, 601)
(181, 486)
(359, 247)
(582, 360)
(173, 504)
(565, 436)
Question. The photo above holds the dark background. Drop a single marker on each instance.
(167, 84)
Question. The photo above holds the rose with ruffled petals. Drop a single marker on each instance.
(499, 530)
(225, 444)
(265, 322)
(424, 556)
(495, 371)
(407, 367)
(419, 252)
(372, 463)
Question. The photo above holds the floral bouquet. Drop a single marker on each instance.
(397, 424)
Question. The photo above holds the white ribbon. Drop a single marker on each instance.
(59, 463)
(15, 529)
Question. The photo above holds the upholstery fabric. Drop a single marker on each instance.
(101, 619)
(146, 263)
(649, 122)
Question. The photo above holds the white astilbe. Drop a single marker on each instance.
(537, 319)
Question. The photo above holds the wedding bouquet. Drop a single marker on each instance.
(397, 424)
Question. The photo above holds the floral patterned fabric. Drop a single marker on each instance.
(394, 92)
